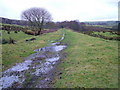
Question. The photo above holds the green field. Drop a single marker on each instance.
(15, 53)
(11, 25)
(107, 34)
(103, 26)
(90, 61)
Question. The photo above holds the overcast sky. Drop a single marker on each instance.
(61, 10)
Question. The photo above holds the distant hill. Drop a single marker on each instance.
(113, 24)
(108, 23)
(12, 21)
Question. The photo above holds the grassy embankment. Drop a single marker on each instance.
(91, 62)
(15, 53)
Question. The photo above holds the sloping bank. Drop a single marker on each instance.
(90, 63)
(37, 70)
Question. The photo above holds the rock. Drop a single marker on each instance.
(31, 39)
(60, 73)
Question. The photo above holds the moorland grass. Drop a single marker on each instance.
(91, 62)
(15, 53)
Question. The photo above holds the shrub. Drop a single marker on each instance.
(4, 41)
(15, 32)
(8, 32)
(30, 32)
(11, 41)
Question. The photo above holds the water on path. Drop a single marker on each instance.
(38, 66)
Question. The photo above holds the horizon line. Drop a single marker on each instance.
(103, 20)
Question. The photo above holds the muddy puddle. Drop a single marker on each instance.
(37, 69)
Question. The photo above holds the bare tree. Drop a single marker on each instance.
(36, 17)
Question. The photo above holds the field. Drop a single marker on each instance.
(104, 26)
(101, 32)
(89, 62)
(107, 34)
(15, 53)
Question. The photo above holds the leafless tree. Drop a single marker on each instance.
(36, 17)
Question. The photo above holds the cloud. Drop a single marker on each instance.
(83, 10)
